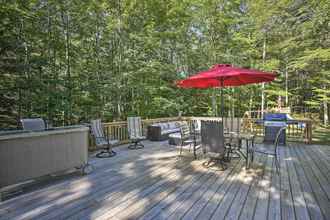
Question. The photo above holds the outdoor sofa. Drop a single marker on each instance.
(161, 131)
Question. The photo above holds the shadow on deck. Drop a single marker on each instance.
(153, 183)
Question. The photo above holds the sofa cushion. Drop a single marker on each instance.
(175, 135)
(163, 126)
(172, 125)
(169, 131)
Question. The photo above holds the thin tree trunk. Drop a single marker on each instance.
(214, 103)
(68, 110)
(97, 39)
(263, 84)
(49, 84)
(325, 110)
(286, 87)
(325, 113)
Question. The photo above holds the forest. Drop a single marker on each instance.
(72, 61)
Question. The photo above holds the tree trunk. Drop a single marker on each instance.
(325, 113)
(263, 84)
(286, 87)
(68, 110)
(214, 103)
(325, 110)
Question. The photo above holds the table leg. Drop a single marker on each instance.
(247, 154)
(195, 156)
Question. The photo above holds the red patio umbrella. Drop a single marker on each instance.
(225, 75)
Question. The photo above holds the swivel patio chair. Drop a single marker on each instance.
(134, 127)
(102, 141)
(188, 137)
(270, 151)
(33, 124)
(213, 143)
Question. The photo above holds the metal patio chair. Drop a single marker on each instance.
(270, 151)
(213, 142)
(232, 140)
(188, 137)
(102, 141)
(134, 126)
(33, 124)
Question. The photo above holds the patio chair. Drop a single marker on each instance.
(102, 141)
(213, 142)
(33, 124)
(188, 137)
(134, 127)
(270, 151)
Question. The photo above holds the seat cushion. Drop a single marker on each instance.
(174, 139)
(175, 135)
(172, 125)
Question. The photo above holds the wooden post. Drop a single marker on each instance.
(310, 130)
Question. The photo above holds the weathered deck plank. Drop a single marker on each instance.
(217, 198)
(287, 208)
(194, 210)
(248, 209)
(261, 209)
(319, 194)
(297, 193)
(325, 184)
(321, 162)
(113, 205)
(274, 210)
(311, 203)
(242, 194)
(152, 184)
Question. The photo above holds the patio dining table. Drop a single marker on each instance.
(249, 140)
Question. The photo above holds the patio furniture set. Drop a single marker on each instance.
(221, 145)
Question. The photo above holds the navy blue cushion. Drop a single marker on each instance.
(275, 117)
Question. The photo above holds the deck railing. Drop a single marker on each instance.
(298, 130)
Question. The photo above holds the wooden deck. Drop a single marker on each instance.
(153, 183)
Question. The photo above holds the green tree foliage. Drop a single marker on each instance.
(71, 61)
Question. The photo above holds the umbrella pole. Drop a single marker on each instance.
(222, 107)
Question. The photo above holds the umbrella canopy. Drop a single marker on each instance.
(224, 75)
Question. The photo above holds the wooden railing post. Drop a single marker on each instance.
(309, 130)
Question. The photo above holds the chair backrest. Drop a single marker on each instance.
(184, 130)
(134, 126)
(278, 136)
(97, 131)
(212, 137)
(33, 124)
(196, 125)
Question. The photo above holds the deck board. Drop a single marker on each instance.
(311, 203)
(196, 208)
(318, 193)
(153, 183)
(242, 195)
(247, 211)
(297, 193)
(217, 198)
